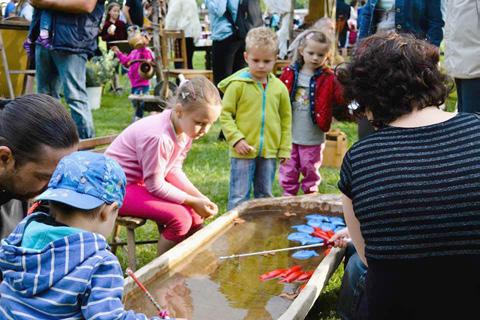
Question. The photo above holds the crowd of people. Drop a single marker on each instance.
(409, 185)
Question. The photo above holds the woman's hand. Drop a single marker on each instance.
(202, 206)
(340, 239)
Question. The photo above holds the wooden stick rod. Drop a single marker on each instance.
(272, 251)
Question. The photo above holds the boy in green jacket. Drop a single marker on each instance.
(256, 119)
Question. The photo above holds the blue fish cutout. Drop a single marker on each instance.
(304, 254)
(317, 216)
(303, 238)
(303, 228)
(315, 223)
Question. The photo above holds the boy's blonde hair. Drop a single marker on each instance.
(197, 92)
(263, 38)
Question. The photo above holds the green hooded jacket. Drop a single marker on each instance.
(263, 117)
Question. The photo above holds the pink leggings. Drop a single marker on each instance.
(180, 221)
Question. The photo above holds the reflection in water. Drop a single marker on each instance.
(203, 287)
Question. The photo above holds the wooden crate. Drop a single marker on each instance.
(335, 149)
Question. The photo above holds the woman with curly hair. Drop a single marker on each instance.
(411, 190)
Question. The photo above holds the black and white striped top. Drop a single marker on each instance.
(416, 191)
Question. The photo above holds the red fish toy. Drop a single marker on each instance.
(292, 276)
(272, 274)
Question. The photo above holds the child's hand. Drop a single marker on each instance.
(202, 206)
(243, 148)
(283, 160)
(115, 49)
(340, 239)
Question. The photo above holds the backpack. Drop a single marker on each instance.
(249, 16)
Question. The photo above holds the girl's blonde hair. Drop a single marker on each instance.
(195, 93)
(313, 35)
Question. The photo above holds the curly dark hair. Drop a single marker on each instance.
(390, 75)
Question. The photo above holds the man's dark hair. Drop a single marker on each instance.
(390, 75)
(32, 121)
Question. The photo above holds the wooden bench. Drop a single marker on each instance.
(130, 223)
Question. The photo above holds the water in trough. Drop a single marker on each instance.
(203, 287)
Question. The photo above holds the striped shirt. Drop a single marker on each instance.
(416, 191)
(73, 277)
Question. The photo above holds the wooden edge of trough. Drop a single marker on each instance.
(92, 143)
(302, 304)
(315, 203)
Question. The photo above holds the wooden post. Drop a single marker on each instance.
(156, 24)
(6, 69)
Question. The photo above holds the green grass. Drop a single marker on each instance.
(207, 165)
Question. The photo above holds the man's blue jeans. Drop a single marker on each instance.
(56, 68)
(468, 93)
(259, 172)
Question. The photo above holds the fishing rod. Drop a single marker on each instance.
(273, 251)
(161, 312)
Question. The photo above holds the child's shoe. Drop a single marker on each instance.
(44, 42)
(28, 46)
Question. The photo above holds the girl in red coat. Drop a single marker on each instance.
(314, 91)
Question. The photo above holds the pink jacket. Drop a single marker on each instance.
(150, 152)
(141, 53)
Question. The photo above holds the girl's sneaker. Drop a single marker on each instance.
(28, 46)
(44, 42)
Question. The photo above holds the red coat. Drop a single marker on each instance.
(328, 94)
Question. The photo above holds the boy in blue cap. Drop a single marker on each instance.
(58, 265)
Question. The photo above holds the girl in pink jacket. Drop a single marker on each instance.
(151, 152)
(132, 61)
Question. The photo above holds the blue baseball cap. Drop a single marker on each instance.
(86, 180)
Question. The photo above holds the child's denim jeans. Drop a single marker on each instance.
(259, 172)
(139, 105)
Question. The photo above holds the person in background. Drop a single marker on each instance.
(421, 18)
(342, 15)
(411, 190)
(462, 44)
(76, 25)
(35, 133)
(114, 29)
(67, 247)
(10, 9)
(152, 151)
(140, 53)
(256, 119)
(24, 9)
(227, 49)
(314, 93)
(133, 11)
(183, 15)
(352, 24)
